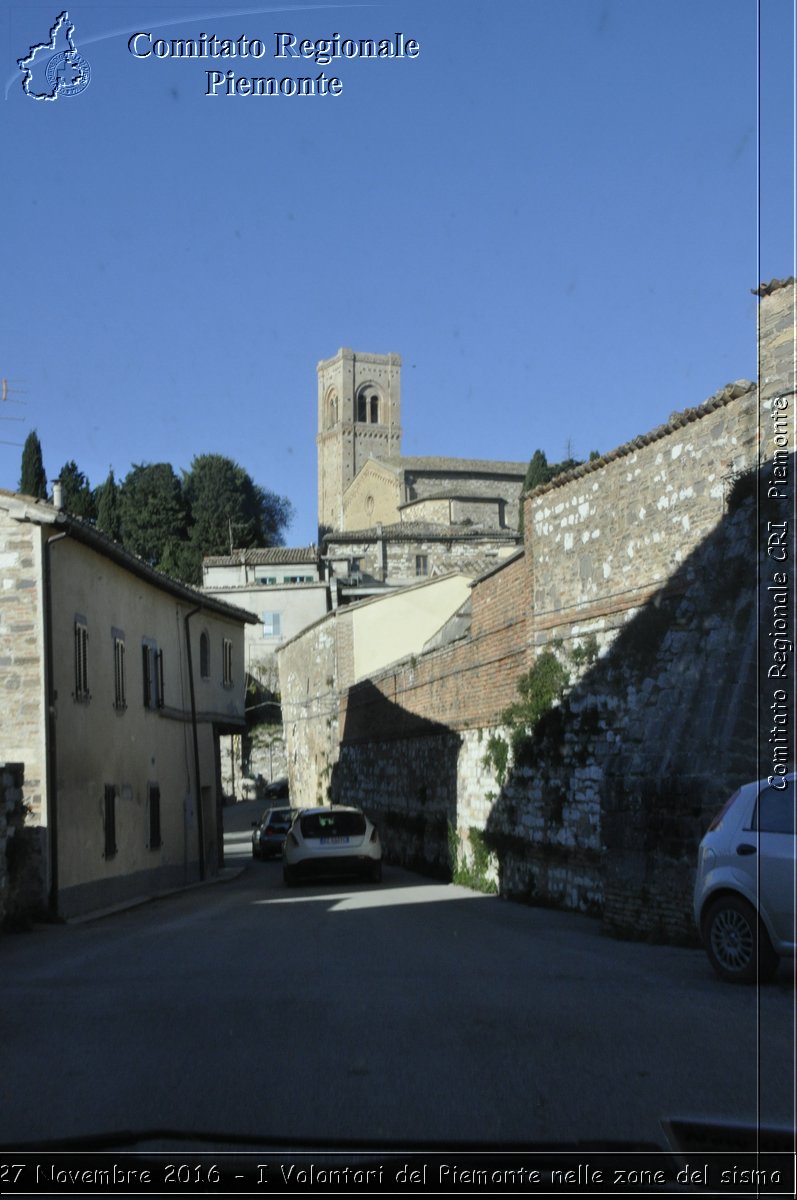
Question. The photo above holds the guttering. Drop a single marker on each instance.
(199, 812)
(51, 767)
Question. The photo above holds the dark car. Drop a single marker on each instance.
(268, 834)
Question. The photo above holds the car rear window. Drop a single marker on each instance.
(332, 824)
(774, 811)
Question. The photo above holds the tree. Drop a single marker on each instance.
(109, 516)
(228, 509)
(153, 514)
(33, 480)
(76, 494)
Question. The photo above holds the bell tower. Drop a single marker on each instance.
(359, 417)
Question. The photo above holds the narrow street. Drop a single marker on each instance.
(404, 1012)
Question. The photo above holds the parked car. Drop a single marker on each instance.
(332, 841)
(744, 890)
(277, 789)
(269, 833)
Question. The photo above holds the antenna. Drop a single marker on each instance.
(6, 392)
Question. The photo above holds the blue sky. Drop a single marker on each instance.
(551, 214)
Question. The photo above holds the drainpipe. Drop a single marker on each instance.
(51, 767)
(199, 813)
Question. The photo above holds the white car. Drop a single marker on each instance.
(744, 890)
(332, 841)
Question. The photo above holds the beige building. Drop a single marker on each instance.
(282, 586)
(363, 479)
(118, 685)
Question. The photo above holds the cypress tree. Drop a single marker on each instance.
(33, 480)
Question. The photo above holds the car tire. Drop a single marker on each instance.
(376, 873)
(737, 945)
(288, 875)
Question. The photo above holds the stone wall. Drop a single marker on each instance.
(21, 861)
(639, 575)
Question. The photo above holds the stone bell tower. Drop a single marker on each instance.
(359, 417)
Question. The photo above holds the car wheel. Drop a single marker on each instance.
(289, 875)
(737, 945)
(376, 873)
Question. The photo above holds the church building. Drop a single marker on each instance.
(385, 519)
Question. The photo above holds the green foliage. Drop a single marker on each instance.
(471, 873)
(496, 757)
(585, 653)
(33, 480)
(77, 496)
(539, 690)
(228, 509)
(154, 517)
(109, 517)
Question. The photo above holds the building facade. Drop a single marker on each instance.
(119, 684)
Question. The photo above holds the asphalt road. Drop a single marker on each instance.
(405, 1012)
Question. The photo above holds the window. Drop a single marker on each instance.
(109, 820)
(374, 410)
(362, 408)
(81, 660)
(154, 816)
(421, 564)
(267, 579)
(774, 811)
(120, 696)
(152, 673)
(204, 655)
(227, 649)
(272, 626)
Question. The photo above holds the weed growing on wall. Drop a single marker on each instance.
(472, 873)
(540, 689)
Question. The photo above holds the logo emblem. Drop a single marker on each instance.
(65, 73)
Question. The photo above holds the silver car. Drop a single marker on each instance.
(744, 890)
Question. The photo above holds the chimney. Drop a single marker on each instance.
(58, 494)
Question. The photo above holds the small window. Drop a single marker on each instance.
(152, 673)
(227, 649)
(272, 625)
(267, 579)
(362, 408)
(154, 816)
(204, 655)
(421, 564)
(119, 682)
(81, 660)
(109, 818)
(374, 410)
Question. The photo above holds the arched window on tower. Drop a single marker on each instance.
(332, 409)
(368, 405)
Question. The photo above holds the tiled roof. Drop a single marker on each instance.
(731, 391)
(40, 511)
(267, 556)
(457, 466)
(413, 531)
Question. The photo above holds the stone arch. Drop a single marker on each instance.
(331, 409)
(369, 404)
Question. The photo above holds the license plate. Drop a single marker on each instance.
(334, 841)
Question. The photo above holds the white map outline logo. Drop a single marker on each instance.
(67, 72)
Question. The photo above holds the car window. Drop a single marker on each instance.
(332, 824)
(774, 810)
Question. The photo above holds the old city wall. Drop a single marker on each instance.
(639, 575)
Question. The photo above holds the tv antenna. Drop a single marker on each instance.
(6, 397)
